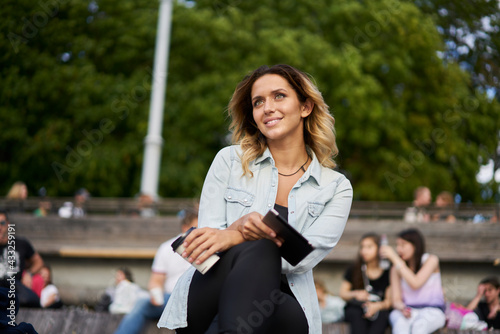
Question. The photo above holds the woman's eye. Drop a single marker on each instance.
(257, 103)
(280, 96)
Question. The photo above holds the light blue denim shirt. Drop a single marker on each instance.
(318, 207)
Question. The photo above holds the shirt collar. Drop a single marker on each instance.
(313, 171)
(266, 155)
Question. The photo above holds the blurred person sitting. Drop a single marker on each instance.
(18, 191)
(16, 197)
(49, 298)
(27, 260)
(366, 289)
(76, 209)
(416, 287)
(166, 269)
(44, 205)
(489, 309)
(126, 292)
(81, 196)
(146, 206)
(331, 307)
(444, 208)
(418, 212)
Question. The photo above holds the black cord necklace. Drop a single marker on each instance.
(301, 167)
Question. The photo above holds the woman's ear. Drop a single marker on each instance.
(307, 108)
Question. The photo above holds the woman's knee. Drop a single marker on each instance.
(266, 247)
(261, 251)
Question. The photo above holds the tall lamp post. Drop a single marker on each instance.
(154, 141)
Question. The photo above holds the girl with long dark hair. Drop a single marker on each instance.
(366, 290)
(417, 293)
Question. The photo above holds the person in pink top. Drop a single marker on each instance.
(417, 293)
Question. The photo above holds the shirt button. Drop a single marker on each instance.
(269, 205)
(245, 200)
(291, 284)
(229, 197)
(292, 212)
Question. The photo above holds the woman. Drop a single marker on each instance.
(367, 311)
(18, 191)
(126, 292)
(331, 307)
(49, 297)
(417, 293)
(285, 144)
(444, 208)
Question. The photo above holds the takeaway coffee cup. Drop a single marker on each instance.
(179, 249)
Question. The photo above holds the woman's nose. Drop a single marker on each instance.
(269, 106)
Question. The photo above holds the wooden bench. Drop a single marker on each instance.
(101, 205)
(373, 210)
(78, 320)
(82, 321)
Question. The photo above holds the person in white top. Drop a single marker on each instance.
(126, 292)
(49, 297)
(166, 269)
(417, 293)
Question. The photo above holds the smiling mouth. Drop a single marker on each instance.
(273, 121)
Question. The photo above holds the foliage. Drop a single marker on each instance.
(81, 84)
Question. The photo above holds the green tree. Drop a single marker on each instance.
(75, 78)
(405, 117)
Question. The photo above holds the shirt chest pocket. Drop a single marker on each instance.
(238, 202)
(314, 209)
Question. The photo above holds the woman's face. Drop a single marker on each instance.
(45, 274)
(119, 276)
(490, 293)
(368, 250)
(277, 110)
(23, 193)
(405, 249)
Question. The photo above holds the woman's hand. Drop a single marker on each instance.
(361, 295)
(405, 310)
(252, 227)
(480, 290)
(201, 243)
(389, 253)
(371, 308)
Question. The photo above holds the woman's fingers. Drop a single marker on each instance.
(206, 242)
(192, 243)
(254, 232)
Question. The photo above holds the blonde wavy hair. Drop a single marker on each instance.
(319, 131)
(18, 191)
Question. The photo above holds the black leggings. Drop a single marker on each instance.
(354, 315)
(243, 291)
